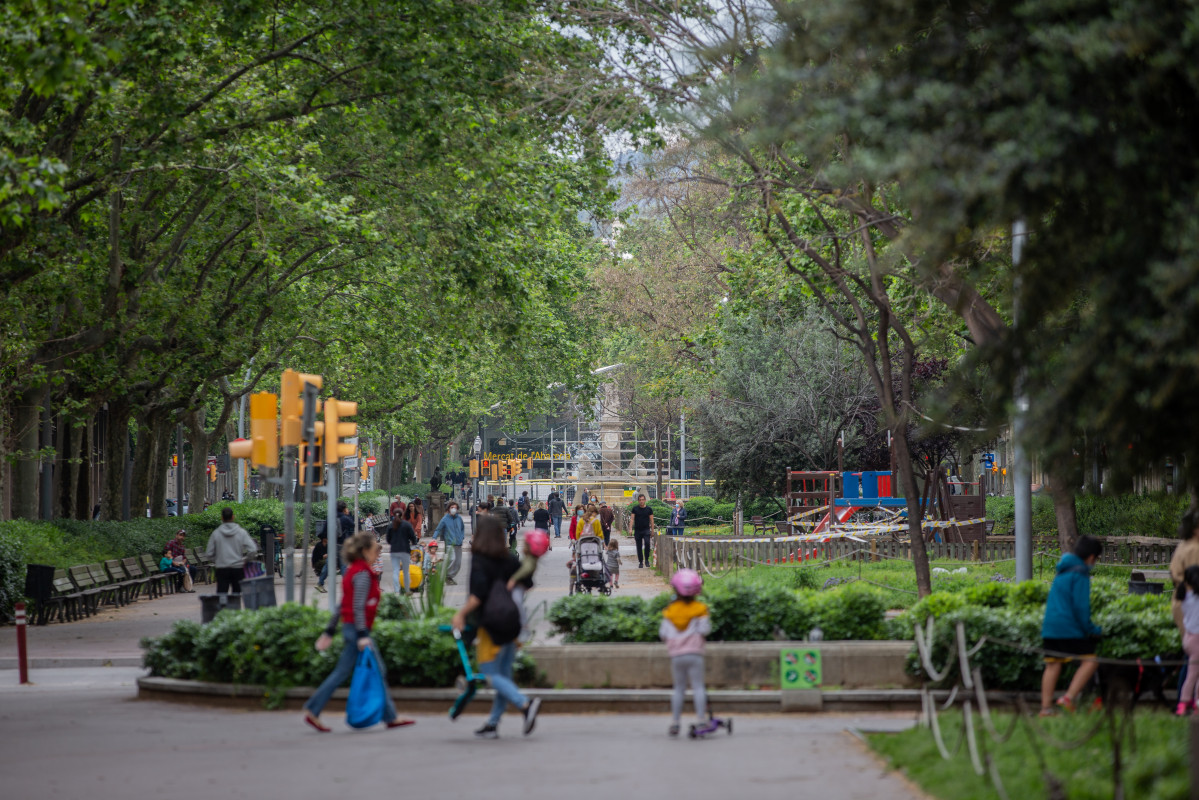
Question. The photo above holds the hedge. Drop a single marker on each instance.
(1134, 626)
(1099, 515)
(65, 542)
(273, 647)
(740, 612)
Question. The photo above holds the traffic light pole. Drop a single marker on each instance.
(332, 529)
(289, 526)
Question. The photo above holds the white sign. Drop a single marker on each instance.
(351, 462)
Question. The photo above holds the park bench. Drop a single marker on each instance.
(166, 580)
(134, 572)
(111, 592)
(759, 525)
(67, 600)
(204, 565)
(85, 584)
(154, 581)
(784, 528)
(128, 587)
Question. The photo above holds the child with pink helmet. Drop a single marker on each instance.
(685, 628)
(537, 542)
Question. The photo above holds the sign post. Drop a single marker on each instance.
(22, 655)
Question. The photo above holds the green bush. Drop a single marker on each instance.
(409, 490)
(1002, 667)
(851, 612)
(273, 647)
(698, 508)
(1098, 515)
(12, 569)
(740, 612)
(725, 512)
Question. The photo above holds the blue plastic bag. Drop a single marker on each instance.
(367, 700)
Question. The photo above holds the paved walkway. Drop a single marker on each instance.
(114, 634)
(74, 738)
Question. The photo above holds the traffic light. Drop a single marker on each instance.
(515, 467)
(212, 473)
(495, 470)
(262, 448)
(336, 430)
(474, 468)
(530, 465)
(486, 469)
(174, 460)
(291, 387)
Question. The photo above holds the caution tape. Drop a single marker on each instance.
(845, 531)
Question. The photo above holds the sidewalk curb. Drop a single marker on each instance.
(566, 701)
(70, 662)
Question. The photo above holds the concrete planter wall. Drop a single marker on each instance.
(729, 665)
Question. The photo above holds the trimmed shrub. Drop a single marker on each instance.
(274, 647)
(851, 612)
(698, 508)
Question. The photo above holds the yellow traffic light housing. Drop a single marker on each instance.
(474, 468)
(336, 430)
(262, 448)
(291, 388)
(495, 470)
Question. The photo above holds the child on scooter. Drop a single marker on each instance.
(685, 628)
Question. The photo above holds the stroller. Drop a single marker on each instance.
(589, 570)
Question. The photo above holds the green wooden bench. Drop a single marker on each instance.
(204, 565)
(152, 583)
(66, 600)
(114, 593)
(85, 584)
(166, 580)
(135, 583)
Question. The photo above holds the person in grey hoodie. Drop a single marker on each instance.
(228, 547)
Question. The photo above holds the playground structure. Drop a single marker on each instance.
(827, 503)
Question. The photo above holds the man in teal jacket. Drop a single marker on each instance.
(451, 531)
(1067, 632)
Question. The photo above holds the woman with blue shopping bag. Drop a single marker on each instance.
(369, 702)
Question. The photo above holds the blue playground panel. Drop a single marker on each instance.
(862, 489)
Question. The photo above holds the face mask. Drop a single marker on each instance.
(453, 512)
(580, 514)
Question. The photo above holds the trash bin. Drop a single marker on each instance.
(258, 592)
(212, 604)
(39, 587)
(266, 536)
(1144, 587)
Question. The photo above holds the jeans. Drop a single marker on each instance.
(645, 542)
(184, 581)
(499, 675)
(674, 530)
(400, 560)
(325, 572)
(228, 579)
(688, 669)
(557, 523)
(342, 672)
(453, 560)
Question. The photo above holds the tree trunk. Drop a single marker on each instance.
(658, 461)
(160, 440)
(201, 442)
(116, 457)
(907, 475)
(83, 477)
(143, 457)
(25, 478)
(68, 473)
(1061, 489)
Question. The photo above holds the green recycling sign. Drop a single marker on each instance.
(800, 668)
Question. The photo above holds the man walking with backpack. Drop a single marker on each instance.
(556, 508)
(522, 505)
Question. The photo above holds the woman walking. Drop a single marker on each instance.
(415, 514)
(490, 605)
(400, 539)
(359, 601)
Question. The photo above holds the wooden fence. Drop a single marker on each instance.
(718, 554)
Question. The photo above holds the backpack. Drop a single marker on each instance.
(523, 503)
(500, 617)
(322, 528)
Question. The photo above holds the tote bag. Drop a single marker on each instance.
(367, 700)
(500, 617)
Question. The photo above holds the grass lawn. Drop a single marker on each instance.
(1155, 759)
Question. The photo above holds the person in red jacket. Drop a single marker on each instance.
(359, 601)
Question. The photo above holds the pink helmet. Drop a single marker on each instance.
(687, 582)
(538, 542)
